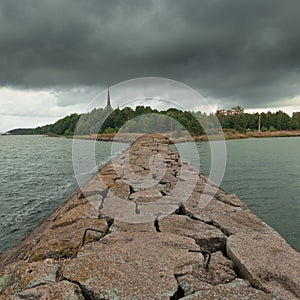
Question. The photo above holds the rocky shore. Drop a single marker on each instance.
(173, 248)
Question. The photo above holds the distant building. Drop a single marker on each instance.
(108, 104)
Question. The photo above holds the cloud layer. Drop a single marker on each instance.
(233, 52)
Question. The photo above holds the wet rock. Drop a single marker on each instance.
(237, 289)
(132, 265)
(267, 261)
(206, 236)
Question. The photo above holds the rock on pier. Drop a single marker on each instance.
(119, 238)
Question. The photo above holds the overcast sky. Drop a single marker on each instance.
(56, 55)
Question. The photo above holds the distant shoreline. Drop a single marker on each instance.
(131, 137)
(228, 135)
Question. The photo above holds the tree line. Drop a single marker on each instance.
(141, 119)
(146, 119)
(237, 119)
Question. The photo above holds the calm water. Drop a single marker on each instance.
(265, 174)
(36, 175)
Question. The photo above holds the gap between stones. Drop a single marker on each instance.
(179, 292)
(87, 294)
(181, 211)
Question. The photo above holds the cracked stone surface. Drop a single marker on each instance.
(237, 289)
(132, 227)
(145, 194)
(151, 211)
(206, 236)
(63, 242)
(220, 270)
(63, 290)
(86, 210)
(37, 273)
(275, 267)
(131, 266)
(39, 280)
(21, 250)
(230, 219)
(231, 199)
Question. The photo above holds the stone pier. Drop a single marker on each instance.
(122, 238)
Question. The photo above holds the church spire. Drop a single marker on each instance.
(108, 104)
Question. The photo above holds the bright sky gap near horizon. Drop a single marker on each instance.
(55, 56)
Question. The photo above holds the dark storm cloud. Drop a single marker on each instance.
(246, 51)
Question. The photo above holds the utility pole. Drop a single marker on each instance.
(259, 123)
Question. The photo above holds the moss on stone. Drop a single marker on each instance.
(5, 281)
